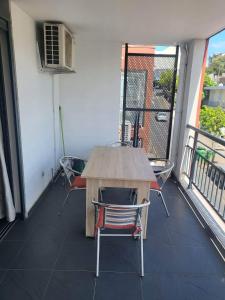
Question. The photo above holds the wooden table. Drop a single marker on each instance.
(121, 167)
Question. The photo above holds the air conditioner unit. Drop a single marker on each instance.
(58, 47)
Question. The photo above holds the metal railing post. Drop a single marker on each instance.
(136, 130)
(192, 171)
(124, 93)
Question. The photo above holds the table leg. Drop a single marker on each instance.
(91, 194)
(143, 193)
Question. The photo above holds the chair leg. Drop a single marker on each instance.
(63, 204)
(130, 196)
(142, 255)
(164, 203)
(101, 197)
(64, 181)
(133, 196)
(98, 252)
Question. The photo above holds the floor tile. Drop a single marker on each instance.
(193, 287)
(119, 286)
(183, 287)
(21, 231)
(24, 285)
(53, 229)
(159, 257)
(151, 287)
(2, 274)
(119, 254)
(37, 255)
(158, 229)
(186, 233)
(77, 256)
(199, 260)
(71, 285)
(116, 196)
(8, 252)
(76, 232)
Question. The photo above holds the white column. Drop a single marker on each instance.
(192, 54)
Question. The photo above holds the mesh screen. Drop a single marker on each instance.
(152, 130)
(149, 82)
(149, 86)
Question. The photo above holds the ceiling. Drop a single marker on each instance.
(164, 22)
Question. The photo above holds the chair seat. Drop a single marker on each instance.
(154, 185)
(78, 182)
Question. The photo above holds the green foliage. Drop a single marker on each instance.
(166, 80)
(208, 81)
(212, 119)
(216, 64)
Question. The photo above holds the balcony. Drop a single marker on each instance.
(48, 257)
(44, 253)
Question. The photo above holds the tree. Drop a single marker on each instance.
(166, 80)
(216, 64)
(208, 81)
(212, 119)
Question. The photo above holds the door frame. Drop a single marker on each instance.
(11, 121)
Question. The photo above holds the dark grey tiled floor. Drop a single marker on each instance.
(48, 257)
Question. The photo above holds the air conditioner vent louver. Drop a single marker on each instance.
(52, 44)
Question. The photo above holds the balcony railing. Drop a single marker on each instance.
(204, 166)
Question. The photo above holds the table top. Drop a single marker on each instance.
(119, 163)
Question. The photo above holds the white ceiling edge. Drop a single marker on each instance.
(157, 22)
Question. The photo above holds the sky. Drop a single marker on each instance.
(217, 44)
(165, 50)
(160, 48)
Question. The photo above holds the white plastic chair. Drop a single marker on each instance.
(162, 170)
(119, 217)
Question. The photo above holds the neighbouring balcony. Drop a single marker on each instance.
(48, 256)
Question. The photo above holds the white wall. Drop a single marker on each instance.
(90, 98)
(90, 101)
(35, 97)
(58, 148)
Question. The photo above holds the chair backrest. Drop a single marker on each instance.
(162, 170)
(120, 143)
(72, 166)
(119, 216)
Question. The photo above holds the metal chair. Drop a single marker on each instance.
(162, 170)
(117, 217)
(72, 168)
